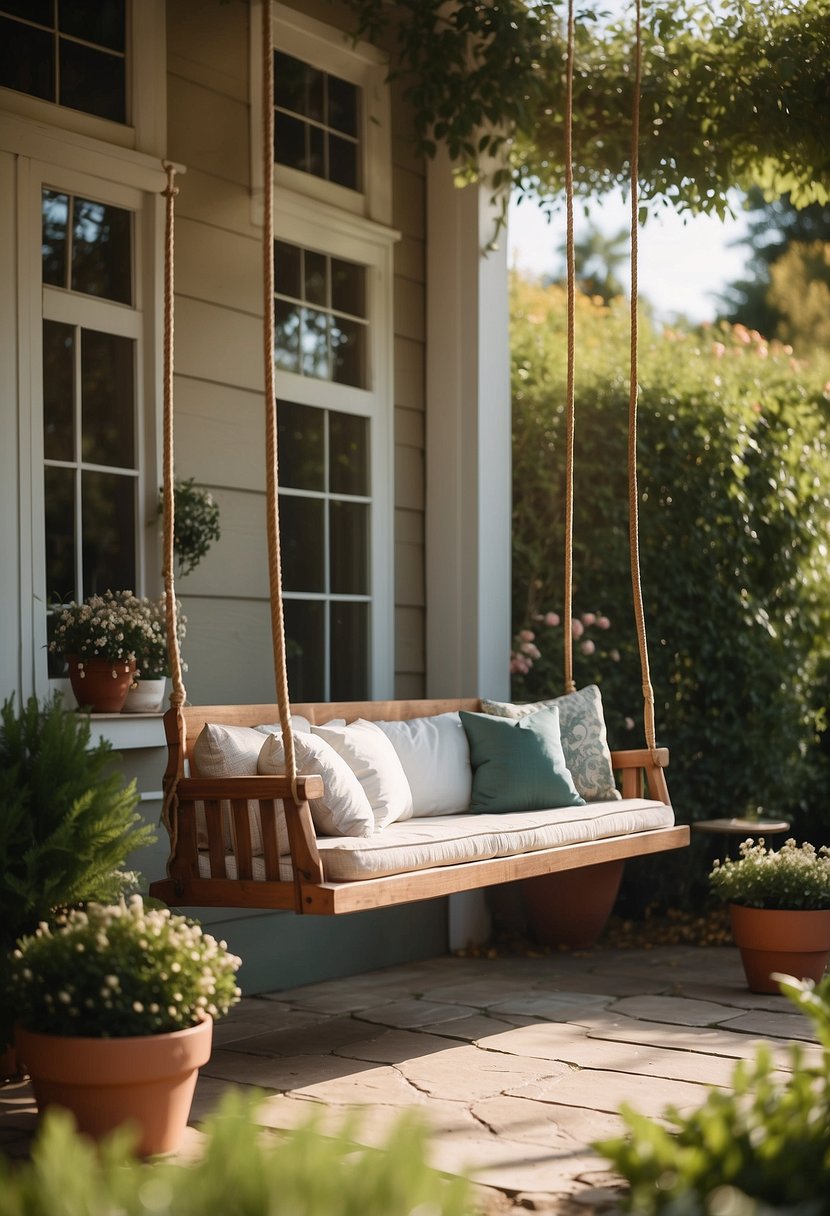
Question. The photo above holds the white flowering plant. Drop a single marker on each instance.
(793, 878)
(112, 971)
(116, 625)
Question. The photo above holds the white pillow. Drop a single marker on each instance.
(232, 751)
(435, 756)
(299, 724)
(374, 762)
(344, 809)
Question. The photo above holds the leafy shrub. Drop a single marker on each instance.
(735, 502)
(789, 878)
(240, 1169)
(763, 1139)
(195, 523)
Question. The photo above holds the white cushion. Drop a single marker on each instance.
(374, 762)
(344, 809)
(232, 751)
(435, 757)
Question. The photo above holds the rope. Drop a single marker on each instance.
(633, 489)
(272, 478)
(169, 815)
(570, 411)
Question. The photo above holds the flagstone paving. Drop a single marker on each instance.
(517, 1065)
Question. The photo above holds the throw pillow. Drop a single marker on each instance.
(344, 809)
(584, 739)
(374, 762)
(518, 764)
(435, 757)
(231, 751)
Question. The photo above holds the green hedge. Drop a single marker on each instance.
(735, 504)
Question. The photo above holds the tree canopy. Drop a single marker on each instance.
(732, 93)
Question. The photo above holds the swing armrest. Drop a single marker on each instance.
(638, 770)
(279, 786)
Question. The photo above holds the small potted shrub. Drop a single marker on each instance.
(115, 1007)
(195, 523)
(779, 905)
(151, 654)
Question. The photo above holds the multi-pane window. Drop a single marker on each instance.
(321, 316)
(90, 367)
(316, 122)
(324, 538)
(72, 52)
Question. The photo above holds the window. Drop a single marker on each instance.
(316, 122)
(325, 544)
(320, 315)
(67, 51)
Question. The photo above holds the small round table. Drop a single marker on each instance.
(737, 830)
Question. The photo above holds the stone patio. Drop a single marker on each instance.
(516, 1064)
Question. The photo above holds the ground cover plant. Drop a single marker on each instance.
(734, 454)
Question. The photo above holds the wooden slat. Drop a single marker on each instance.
(198, 788)
(242, 838)
(215, 835)
(268, 812)
(330, 899)
(225, 893)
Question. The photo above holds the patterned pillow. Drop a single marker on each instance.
(584, 741)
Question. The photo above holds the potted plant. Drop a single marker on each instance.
(146, 694)
(115, 1007)
(195, 523)
(68, 821)
(779, 905)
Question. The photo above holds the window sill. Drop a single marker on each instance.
(128, 731)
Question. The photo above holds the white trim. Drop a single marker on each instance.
(468, 490)
(361, 63)
(70, 150)
(146, 126)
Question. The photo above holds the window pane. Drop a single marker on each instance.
(101, 22)
(349, 652)
(300, 434)
(348, 454)
(315, 278)
(108, 532)
(59, 502)
(316, 151)
(288, 269)
(55, 212)
(342, 114)
(305, 646)
(348, 348)
(314, 344)
(342, 162)
(26, 61)
(58, 391)
(39, 11)
(107, 401)
(349, 548)
(289, 142)
(102, 251)
(348, 287)
(289, 82)
(302, 543)
(287, 336)
(92, 81)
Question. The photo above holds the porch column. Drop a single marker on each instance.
(468, 469)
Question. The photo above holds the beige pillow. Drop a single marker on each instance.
(344, 809)
(374, 761)
(232, 751)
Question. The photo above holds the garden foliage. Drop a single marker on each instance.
(734, 480)
(241, 1169)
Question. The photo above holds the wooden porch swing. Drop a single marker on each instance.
(198, 811)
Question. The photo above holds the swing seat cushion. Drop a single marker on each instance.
(422, 844)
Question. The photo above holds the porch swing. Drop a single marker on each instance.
(251, 841)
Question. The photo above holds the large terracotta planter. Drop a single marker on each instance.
(145, 1080)
(571, 908)
(100, 685)
(792, 943)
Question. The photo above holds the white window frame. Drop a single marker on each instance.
(141, 321)
(146, 126)
(315, 225)
(361, 64)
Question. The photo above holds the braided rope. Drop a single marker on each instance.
(570, 397)
(272, 476)
(633, 392)
(169, 815)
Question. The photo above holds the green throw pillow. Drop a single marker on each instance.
(518, 765)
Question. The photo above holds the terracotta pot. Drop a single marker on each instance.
(145, 1080)
(145, 696)
(99, 685)
(792, 943)
(571, 908)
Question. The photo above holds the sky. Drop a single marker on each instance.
(682, 266)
